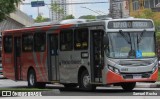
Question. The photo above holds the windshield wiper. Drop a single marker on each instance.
(132, 51)
(125, 37)
(140, 38)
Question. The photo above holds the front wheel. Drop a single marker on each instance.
(85, 82)
(128, 86)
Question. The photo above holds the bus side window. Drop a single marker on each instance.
(66, 40)
(81, 39)
(8, 44)
(39, 42)
(27, 42)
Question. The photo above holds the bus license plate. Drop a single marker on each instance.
(137, 76)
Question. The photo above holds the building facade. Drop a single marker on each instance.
(56, 16)
(119, 8)
(136, 6)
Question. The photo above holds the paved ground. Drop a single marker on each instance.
(152, 89)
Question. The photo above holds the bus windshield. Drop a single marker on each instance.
(131, 44)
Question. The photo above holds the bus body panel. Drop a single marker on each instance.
(55, 64)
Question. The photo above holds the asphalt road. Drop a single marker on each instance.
(59, 90)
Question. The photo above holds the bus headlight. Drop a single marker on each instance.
(116, 71)
(154, 68)
(113, 69)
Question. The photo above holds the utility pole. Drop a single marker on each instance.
(52, 11)
(38, 9)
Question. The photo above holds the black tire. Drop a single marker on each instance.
(84, 82)
(32, 83)
(70, 85)
(128, 86)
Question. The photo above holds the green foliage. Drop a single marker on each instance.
(40, 18)
(87, 17)
(56, 8)
(69, 17)
(149, 14)
(7, 7)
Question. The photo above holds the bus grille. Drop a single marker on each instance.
(133, 76)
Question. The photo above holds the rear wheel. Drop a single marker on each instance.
(85, 82)
(128, 86)
(31, 78)
(32, 82)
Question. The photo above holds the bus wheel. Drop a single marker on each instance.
(128, 86)
(31, 78)
(85, 82)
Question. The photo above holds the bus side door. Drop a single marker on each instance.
(17, 58)
(53, 69)
(97, 55)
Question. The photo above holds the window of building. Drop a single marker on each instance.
(156, 2)
(8, 44)
(66, 40)
(135, 4)
(39, 42)
(81, 39)
(146, 4)
(152, 4)
(27, 42)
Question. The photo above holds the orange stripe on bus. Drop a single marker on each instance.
(66, 26)
(112, 78)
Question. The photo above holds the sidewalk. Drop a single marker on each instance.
(148, 85)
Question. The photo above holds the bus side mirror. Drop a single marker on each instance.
(105, 40)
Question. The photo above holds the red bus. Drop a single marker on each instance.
(86, 54)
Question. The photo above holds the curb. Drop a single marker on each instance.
(148, 85)
(53, 92)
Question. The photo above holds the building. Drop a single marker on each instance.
(70, 7)
(136, 6)
(119, 8)
(55, 16)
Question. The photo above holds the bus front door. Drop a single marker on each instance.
(97, 55)
(17, 58)
(53, 57)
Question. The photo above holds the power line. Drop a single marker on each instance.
(70, 3)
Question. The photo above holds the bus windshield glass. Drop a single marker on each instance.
(131, 45)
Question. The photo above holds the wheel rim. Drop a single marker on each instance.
(31, 79)
(86, 80)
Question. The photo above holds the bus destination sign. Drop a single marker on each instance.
(130, 24)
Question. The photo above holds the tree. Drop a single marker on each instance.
(40, 18)
(7, 7)
(87, 17)
(149, 14)
(69, 17)
(56, 8)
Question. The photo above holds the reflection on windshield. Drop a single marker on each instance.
(131, 45)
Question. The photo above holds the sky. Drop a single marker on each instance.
(77, 10)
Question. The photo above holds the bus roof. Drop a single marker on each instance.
(69, 23)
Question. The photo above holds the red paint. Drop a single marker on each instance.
(112, 78)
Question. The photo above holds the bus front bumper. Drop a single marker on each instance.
(112, 78)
